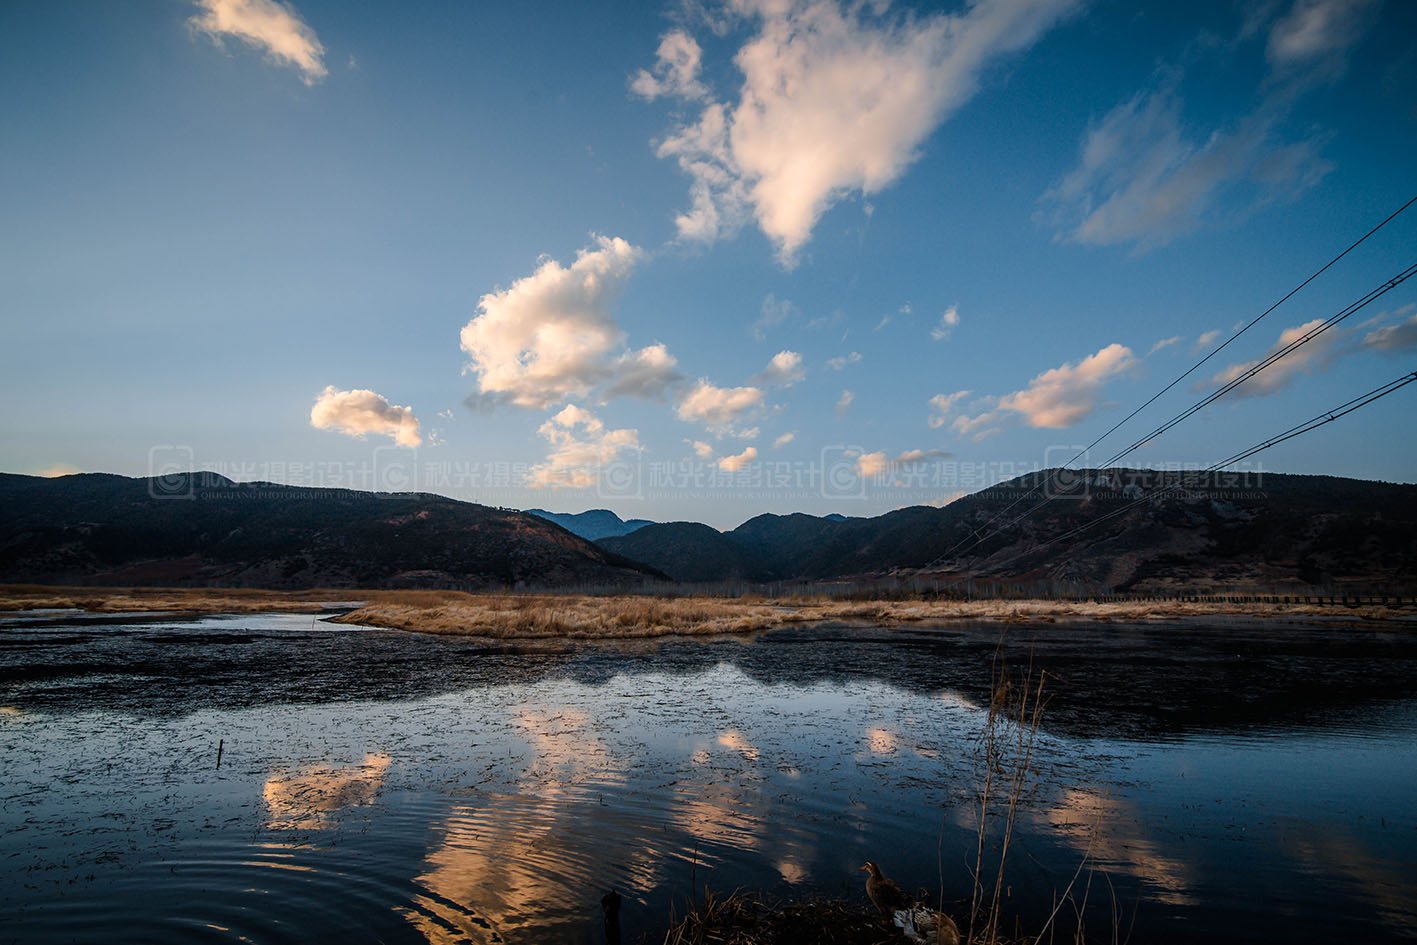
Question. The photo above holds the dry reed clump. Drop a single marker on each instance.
(744, 918)
(540, 616)
(532, 616)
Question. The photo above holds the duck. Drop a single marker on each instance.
(923, 924)
(885, 894)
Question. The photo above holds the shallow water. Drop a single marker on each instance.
(1238, 783)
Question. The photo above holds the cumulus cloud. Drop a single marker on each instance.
(675, 72)
(647, 373)
(870, 465)
(1065, 395)
(550, 335)
(942, 405)
(735, 463)
(268, 25)
(717, 407)
(1395, 337)
(834, 101)
(580, 446)
(361, 412)
(948, 320)
(1305, 359)
(843, 403)
(701, 449)
(784, 370)
(784, 439)
(837, 364)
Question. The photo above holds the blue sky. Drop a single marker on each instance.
(568, 256)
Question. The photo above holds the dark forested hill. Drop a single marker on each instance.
(1114, 529)
(203, 529)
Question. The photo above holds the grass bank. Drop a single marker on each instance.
(542, 616)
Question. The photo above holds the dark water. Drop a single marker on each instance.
(1244, 783)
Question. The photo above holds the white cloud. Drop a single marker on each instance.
(834, 101)
(701, 449)
(270, 26)
(1164, 343)
(735, 463)
(843, 403)
(837, 364)
(1145, 179)
(869, 465)
(1316, 35)
(717, 407)
(1303, 360)
(1395, 337)
(446, 415)
(784, 370)
(647, 373)
(948, 320)
(675, 72)
(551, 335)
(1066, 395)
(580, 447)
(942, 405)
(1206, 340)
(783, 440)
(361, 412)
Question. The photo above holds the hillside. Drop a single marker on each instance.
(592, 525)
(1144, 535)
(205, 529)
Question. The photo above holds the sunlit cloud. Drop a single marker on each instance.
(717, 407)
(1395, 337)
(580, 447)
(1308, 357)
(844, 402)
(361, 412)
(835, 100)
(840, 363)
(675, 72)
(784, 370)
(1164, 343)
(274, 28)
(551, 335)
(783, 440)
(942, 405)
(870, 465)
(948, 320)
(735, 463)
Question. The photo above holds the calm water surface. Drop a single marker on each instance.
(1226, 783)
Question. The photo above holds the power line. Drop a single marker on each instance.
(1186, 373)
(1265, 362)
(1322, 419)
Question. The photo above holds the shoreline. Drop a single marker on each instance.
(528, 616)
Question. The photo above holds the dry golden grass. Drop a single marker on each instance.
(542, 616)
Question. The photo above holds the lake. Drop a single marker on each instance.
(1244, 782)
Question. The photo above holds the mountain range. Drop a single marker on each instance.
(1054, 532)
(202, 529)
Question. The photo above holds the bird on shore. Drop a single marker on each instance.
(885, 894)
(916, 920)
